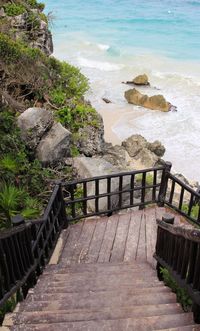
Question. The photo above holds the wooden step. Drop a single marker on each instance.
(194, 327)
(122, 295)
(107, 313)
(98, 266)
(133, 290)
(77, 302)
(129, 324)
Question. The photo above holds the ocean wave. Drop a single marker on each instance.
(104, 66)
(103, 47)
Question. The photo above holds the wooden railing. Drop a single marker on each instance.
(26, 249)
(178, 250)
(109, 193)
(182, 198)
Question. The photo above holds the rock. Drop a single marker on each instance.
(2, 12)
(141, 80)
(22, 28)
(106, 100)
(156, 102)
(90, 139)
(34, 122)
(140, 149)
(134, 144)
(116, 155)
(157, 148)
(91, 167)
(55, 145)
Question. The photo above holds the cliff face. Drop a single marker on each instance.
(30, 78)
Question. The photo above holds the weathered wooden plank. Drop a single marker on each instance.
(151, 234)
(132, 239)
(141, 254)
(73, 237)
(82, 246)
(119, 245)
(97, 239)
(108, 240)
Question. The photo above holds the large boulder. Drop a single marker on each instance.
(55, 145)
(86, 167)
(140, 149)
(34, 122)
(156, 102)
(116, 155)
(141, 80)
(157, 148)
(90, 138)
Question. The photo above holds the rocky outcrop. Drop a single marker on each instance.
(116, 155)
(55, 145)
(141, 80)
(156, 102)
(86, 167)
(38, 36)
(49, 140)
(140, 149)
(90, 138)
(34, 122)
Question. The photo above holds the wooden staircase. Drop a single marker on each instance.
(104, 281)
(98, 297)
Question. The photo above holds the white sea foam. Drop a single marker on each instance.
(103, 47)
(103, 66)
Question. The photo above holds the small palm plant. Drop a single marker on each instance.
(14, 200)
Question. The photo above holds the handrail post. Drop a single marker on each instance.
(62, 201)
(163, 184)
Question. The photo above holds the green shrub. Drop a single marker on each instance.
(194, 212)
(182, 295)
(77, 117)
(12, 9)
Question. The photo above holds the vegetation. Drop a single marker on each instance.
(31, 78)
(182, 295)
(194, 212)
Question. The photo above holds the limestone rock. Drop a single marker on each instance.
(116, 155)
(42, 38)
(87, 167)
(157, 148)
(134, 144)
(140, 149)
(156, 102)
(55, 145)
(90, 139)
(141, 80)
(34, 122)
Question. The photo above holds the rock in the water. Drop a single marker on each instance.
(55, 145)
(91, 167)
(90, 139)
(141, 80)
(140, 149)
(156, 102)
(106, 100)
(34, 122)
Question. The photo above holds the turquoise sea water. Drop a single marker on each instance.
(114, 40)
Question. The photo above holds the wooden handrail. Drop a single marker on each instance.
(178, 250)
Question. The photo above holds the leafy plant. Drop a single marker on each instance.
(182, 295)
(194, 211)
(13, 9)
(11, 199)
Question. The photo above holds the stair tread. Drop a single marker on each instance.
(94, 314)
(129, 324)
